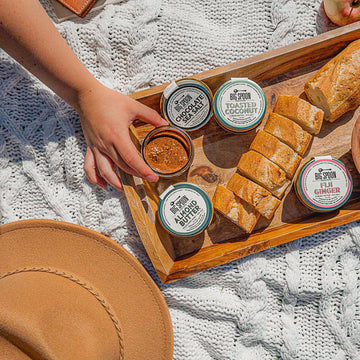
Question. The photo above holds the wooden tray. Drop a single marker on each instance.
(282, 71)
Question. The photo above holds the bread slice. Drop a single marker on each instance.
(264, 172)
(288, 132)
(254, 194)
(309, 117)
(235, 209)
(335, 88)
(276, 151)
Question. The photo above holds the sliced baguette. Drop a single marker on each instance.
(264, 172)
(335, 88)
(309, 117)
(235, 209)
(277, 152)
(288, 132)
(254, 194)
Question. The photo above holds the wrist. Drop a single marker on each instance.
(88, 89)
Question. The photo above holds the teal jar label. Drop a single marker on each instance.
(239, 104)
(185, 209)
(187, 104)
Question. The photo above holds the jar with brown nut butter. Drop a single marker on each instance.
(168, 151)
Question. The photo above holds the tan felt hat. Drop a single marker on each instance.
(69, 293)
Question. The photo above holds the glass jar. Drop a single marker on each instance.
(239, 105)
(186, 104)
(323, 184)
(168, 151)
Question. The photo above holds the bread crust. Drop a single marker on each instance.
(235, 209)
(264, 172)
(308, 116)
(254, 194)
(336, 86)
(222, 199)
(276, 151)
(288, 132)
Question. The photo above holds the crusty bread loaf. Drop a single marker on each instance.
(288, 132)
(264, 172)
(277, 152)
(335, 88)
(254, 194)
(309, 117)
(237, 210)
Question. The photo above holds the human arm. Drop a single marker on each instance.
(29, 36)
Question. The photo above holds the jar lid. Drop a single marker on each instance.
(185, 209)
(239, 105)
(186, 103)
(324, 184)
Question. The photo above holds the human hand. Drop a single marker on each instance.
(105, 117)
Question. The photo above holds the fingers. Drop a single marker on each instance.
(149, 115)
(106, 169)
(128, 152)
(92, 174)
(120, 162)
(90, 169)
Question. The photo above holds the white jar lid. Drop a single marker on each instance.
(239, 105)
(185, 209)
(186, 103)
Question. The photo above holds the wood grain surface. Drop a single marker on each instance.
(280, 72)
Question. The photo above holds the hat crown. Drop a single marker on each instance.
(49, 314)
(110, 306)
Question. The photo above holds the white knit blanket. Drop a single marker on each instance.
(297, 301)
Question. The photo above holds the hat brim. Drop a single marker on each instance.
(134, 297)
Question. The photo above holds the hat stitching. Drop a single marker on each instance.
(81, 232)
(86, 287)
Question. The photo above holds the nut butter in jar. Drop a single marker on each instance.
(186, 103)
(239, 105)
(185, 210)
(168, 151)
(323, 184)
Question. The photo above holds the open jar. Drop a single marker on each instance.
(168, 151)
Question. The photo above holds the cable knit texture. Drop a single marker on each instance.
(297, 301)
